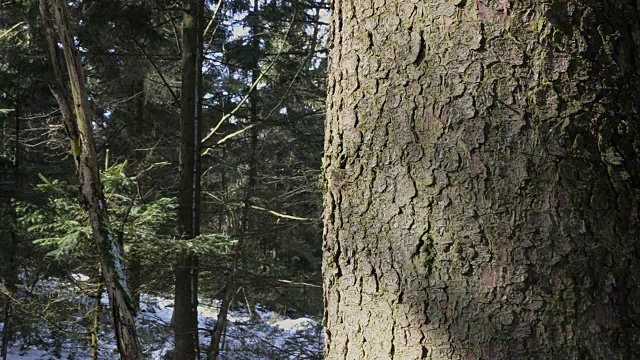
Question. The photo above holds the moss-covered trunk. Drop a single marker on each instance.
(483, 180)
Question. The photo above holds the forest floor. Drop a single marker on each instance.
(269, 336)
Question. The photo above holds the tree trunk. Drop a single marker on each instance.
(12, 237)
(95, 325)
(233, 285)
(483, 180)
(186, 291)
(80, 132)
(134, 264)
(6, 300)
(221, 321)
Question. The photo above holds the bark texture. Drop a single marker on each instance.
(483, 180)
(186, 289)
(80, 132)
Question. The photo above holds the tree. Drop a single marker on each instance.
(263, 75)
(80, 132)
(483, 180)
(10, 161)
(10, 275)
(240, 229)
(257, 173)
(23, 93)
(186, 286)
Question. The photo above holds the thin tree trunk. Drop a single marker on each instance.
(186, 292)
(59, 88)
(96, 316)
(232, 281)
(197, 172)
(12, 266)
(135, 274)
(483, 180)
(80, 132)
(134, 266)
(221, 321)
(7, 309)
(253, 316)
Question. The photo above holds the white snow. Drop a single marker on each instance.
(80, 277)
(271, 336)
(294, 324)
(29, 353)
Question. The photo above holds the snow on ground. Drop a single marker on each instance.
(269, 337)
(30, 353)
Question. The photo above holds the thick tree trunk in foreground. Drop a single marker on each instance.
(483, 180)
(83, 149)
(186, 288)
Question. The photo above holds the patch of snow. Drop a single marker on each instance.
(79, 277)
(294, 324)
(30, 353)
(270, 336)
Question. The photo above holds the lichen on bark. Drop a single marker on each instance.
(483, 180)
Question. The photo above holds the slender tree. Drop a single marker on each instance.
(12, 237)
(242, 227)
(483, 180)
(186, 274)
(80, 132)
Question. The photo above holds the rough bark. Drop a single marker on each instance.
(483, 180)
(91, 195)
(186, 312)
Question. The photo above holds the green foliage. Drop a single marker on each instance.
(210, 245)
(62, 226)
(131, 56)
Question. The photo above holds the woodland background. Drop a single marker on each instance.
(262, 96)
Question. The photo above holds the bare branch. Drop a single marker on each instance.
(155, 67)
(246, 97)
